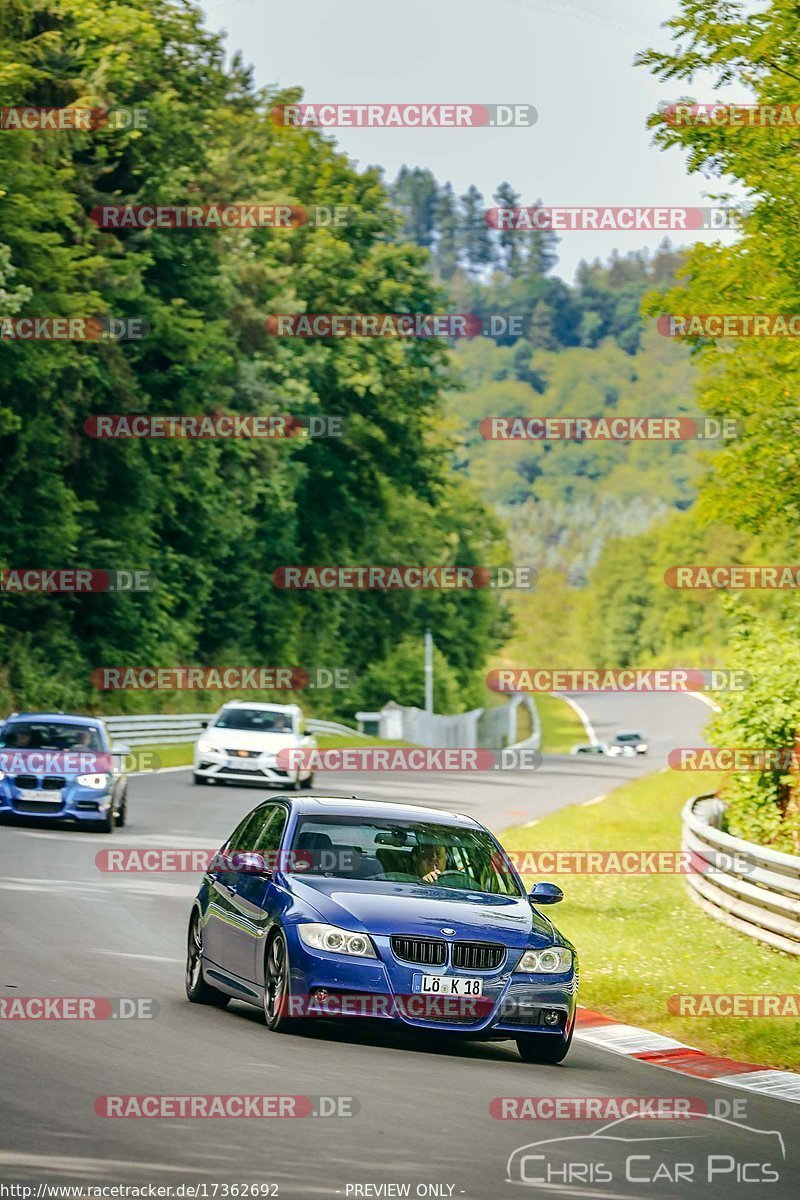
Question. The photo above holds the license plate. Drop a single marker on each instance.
(40, 797)
(447, 985)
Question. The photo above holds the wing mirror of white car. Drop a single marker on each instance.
(545, 893)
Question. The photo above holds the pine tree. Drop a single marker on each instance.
(476, 242)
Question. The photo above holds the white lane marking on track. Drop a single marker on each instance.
(84, 1167)
(145, 957)
(628, 1039)
(704, 700)
(597, 799)
(582, 713)
(144, 886)
(784, 1085)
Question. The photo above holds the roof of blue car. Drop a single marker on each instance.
(355, 805)
(67, 718)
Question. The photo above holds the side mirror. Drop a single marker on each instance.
(545, 893)
(204, 723)
(120, 749)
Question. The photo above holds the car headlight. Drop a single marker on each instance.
(336, 941)
(98, 782)
(553, 961)
(204, 747)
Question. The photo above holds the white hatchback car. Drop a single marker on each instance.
(242, 741)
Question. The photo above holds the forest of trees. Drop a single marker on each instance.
(211, 519)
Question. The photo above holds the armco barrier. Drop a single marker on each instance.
(163, 729)
(485, 727)
(761, 900)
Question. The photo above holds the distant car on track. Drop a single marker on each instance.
(242, 741)
(332, 907)
(57, 766)
(590, 748)
(628, 744)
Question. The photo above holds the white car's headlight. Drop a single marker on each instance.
(205, 747)
(555, 960)
(336, 941)
(98, 782)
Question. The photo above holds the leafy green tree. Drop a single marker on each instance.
(213, 519)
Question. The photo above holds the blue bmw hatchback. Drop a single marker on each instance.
(332, 908)
(61, 767)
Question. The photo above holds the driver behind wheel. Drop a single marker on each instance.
(429, 862)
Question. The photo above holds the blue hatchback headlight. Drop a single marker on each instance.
(553, 961)
(335, 940)
(97, 782)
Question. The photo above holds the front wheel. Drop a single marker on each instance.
(544, 1047)
(199, 779)
(122, 815)
(198, 991)
(308, 784)
(276, 984)
(106, 824)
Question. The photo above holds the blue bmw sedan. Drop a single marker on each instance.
(62, 767)
(319, 907)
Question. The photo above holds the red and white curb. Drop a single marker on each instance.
(663, 1051)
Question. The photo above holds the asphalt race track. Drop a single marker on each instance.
(423, 1105)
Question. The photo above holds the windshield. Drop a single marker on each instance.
(446, 856)
(257, 720)
(49, 735)
(629, 737)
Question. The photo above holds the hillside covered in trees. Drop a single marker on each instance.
(583, 350)
(211, 519)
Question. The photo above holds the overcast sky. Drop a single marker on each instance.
(573, 60)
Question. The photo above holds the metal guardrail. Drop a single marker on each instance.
(758, 894)
(163, 729)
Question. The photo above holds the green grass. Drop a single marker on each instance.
(344, 743)
(166, 756)
(562, 728)
(641, 939)
(181, 755)
(524, 723)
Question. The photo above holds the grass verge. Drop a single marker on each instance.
(182, 755)
(641, 939)
(562, 728)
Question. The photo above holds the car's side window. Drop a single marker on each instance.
(245, 836)
(270, 837)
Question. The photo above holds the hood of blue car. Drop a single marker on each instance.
(423, 910)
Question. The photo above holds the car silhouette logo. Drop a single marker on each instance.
(448, 931)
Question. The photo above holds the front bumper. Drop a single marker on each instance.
(248, 772)
(383, 988)
(46, 801)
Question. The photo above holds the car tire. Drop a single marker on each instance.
(197, 990)
(106, 825)
(122, 815)
(277, 972)
(308, 784)
(199, 779)
(544, 1047)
